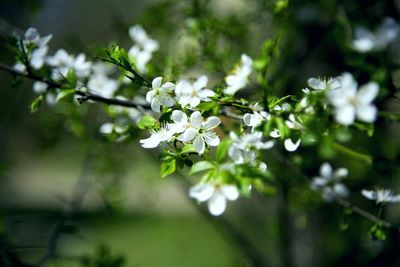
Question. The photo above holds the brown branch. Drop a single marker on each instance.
(85, 96)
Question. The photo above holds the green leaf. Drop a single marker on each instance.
(168, 168)
(65, 93)
(188, 148)
(36, 103)
(147, 122)
(71, 78)
(201, 166)
(222, 150)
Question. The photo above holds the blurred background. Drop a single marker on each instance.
(68, 197)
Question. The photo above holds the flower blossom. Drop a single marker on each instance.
(350, 103)
(381, 195)
(144, 48)
(63, 62)
(239, 77)
(160, 95)
(366, 41)
(157, 136)
(193, 94)
(197, 131)
(328, 183)
(324, 84)
(38, 45)
(215, 194)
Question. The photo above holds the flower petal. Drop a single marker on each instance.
(230, 192)
(188, 135)
(196, 119)
(217, 204)
(316, 83)
(151, 142)
(367, 93)
(155, 105)
(345, 115)
(369, 194)
(199, 144)
(367, 113)
(211, 138)
(201, 192)
(236, 154)
(156, 83)
(179, 117)
(201, 82)
(212, 122)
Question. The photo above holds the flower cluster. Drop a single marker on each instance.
(144, 47)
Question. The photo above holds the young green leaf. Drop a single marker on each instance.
(222, 150)
(201, 166)
(36, 103)
(65, 93)
(168, 168)
(147, 122)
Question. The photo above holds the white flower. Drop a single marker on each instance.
(366, 41)
(381, 195)
(201, 132)
(139, 35)
(32, 36)
(329, 182)
(143, 51)
(250, 140)
(102, 85)
(157, 136)
(181, 122)
(215, 194)
(38, 57)
(193, 94)
(350, 103)
(323, 84)
(292, 123)
(160, 95)
(239, 77)
(63, 62)
(140, 57)
(255, 119)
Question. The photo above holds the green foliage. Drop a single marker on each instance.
(36, 103)
(168, 167)
(201, 166)
(147, 122)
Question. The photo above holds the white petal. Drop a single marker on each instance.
(196, 119)
(179, 117)
(194, 102)
(206, 93)
(325, 170)
(211, 123)
(149, 95)
(188, 135)
(201, 82)
(316, 83)
(236, 154)
(217, 204)
(369, 194)
(201, 192)
(167, 101)
(151, 142)
(199, 144)
(155, 105)
(230, 192)
(211, 139)
(168, 86)
(367, 113)
(290, 146)
(367, 93)
(345, 115)
(156, 83)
